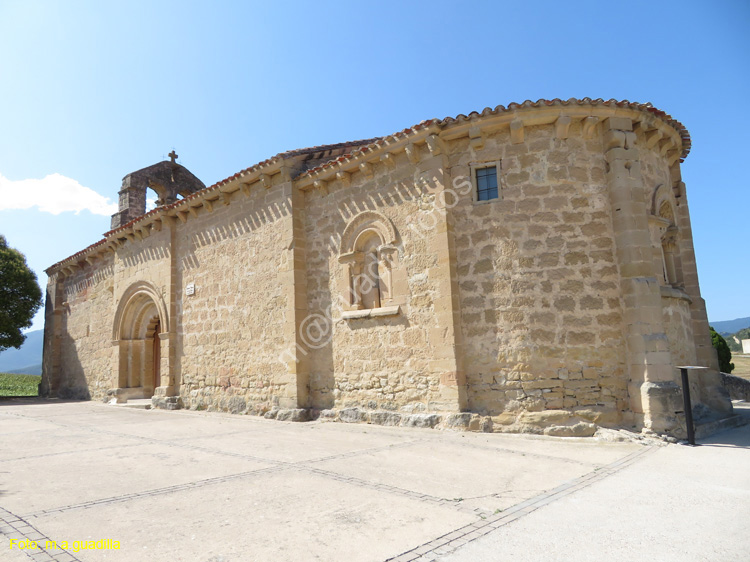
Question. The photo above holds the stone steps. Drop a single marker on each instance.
(709, 428)
(137, 403)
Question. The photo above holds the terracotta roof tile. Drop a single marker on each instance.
(363, 146)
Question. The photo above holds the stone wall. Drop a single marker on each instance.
(540, 305)
(384, 363)
(230, 331)
(737, 387)
(562, 305)
(84, 337)
(677, 321)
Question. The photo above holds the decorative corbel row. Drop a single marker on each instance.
(265, 180)
(209, 205)
(193, 211)
(516, 131)
(366, 169)
(344, 177)
(653, 137)
(412, 153)
(642, 127)
(322, 185)
(182, 215)
(665, 145)
(476, 139)
(245, 187)
(388, 159)
(562, 126)
(226, 198)
(589, 126)
(434, 144)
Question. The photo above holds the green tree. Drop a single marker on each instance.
(725, 354)
(20, 296)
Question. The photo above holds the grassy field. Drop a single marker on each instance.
(18, 385)
(741, 366)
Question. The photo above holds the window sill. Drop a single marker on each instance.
(674, 293)
(371, 312)
(486, 201)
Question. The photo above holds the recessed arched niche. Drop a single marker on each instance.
(369, 256)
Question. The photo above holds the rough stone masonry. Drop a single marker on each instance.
(526, 268)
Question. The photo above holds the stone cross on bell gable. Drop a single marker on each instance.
(172, 156)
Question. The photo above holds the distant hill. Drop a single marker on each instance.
(30, 370)
(728, 327)
(736, 346)
(27, 359)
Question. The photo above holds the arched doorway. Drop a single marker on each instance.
(141, 334)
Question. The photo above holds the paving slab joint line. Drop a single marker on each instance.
(471, 531)
(156, 492)
(426, 498)
(26, 531)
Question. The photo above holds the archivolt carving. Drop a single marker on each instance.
(659, 197)
(369, 256)
(366, 220)
(133, 305)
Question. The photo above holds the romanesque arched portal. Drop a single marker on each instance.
(140, 333)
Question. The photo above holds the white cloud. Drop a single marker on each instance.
(53, 194)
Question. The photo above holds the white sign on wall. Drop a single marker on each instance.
(190, 289)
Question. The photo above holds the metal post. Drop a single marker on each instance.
(686, 400)
(688, 406)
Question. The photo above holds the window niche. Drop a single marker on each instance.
(665, 238)
(371, 276)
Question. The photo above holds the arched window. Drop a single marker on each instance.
(368, 254)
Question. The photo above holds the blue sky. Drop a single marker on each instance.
(91, 91)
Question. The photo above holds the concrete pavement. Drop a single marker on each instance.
(211, 487)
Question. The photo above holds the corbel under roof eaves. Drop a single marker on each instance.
(371, 152)
(532, 116)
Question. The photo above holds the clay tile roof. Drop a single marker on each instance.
(647, 107)
(487, 111)
(363, 146)
(373, 145)
(297, 152)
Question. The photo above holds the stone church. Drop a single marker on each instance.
(526, 268)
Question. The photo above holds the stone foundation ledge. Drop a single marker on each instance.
(167, 402)
(585, 421)
(582, 422)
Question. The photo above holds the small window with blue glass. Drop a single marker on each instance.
(487, 183)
